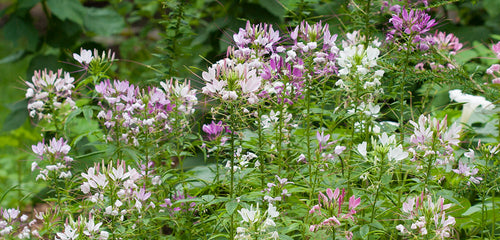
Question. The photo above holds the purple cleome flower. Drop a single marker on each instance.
(411, 25)
(213, 130)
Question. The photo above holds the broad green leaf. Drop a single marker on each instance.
(67, 9)
(493, 7)
(22, 32)
(87, 113)
(41, 62)
(207, 198)
(103, 21)
(273, 7)
(17, 116)
(286, 237)
(231, 206)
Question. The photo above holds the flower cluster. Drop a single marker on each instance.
(94, 63)
(277, 190)
(229, 81)
(358, 66)
(386, 146)
(13, 224)
(242, 160)
(427, 218)
(256, 41)
(49, 94)
(433, 138)
(129, 112)
(313, 43)
(448, 43)
(172, 207)
(89, 228)
(214, 130)
(468, 171)
(330, 209)
(411, 27)
(53, 160)
(324, 145)
(257, 226)
(105, 183)
(182, 95)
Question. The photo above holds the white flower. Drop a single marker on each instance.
(362, 149)
(85, 56)
(250, 216)
(271, 211)
(10, 214)
(91, 227)
(69, 233)
(471, 103)
(386, 140)
(6, 230)
(397, 154)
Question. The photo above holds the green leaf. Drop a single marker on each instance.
(41, 62)
(103, 21)
(364, 230)
(273, 7)
(17, 116)
(23, 6)
(286, 237)
(207, 198)
(67, 9)
(493, 8)
(231, 206)
(21, 31)
(88, 113)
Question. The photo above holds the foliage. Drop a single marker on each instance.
(369, 125)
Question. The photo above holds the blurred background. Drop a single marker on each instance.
(157, 40)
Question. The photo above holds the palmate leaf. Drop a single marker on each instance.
(67, 9)
(103, 21)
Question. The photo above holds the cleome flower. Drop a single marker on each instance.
(411, 25)
(433, 137)
(50, 93)
(256, 225)
(129, 112)
(255, 41)
(229, 81)
(331, 211)
(426, 218)
(53, 160)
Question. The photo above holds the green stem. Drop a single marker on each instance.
(493, 225)
(378, 189)
(483, 209)
(231, 189)
(333, 233)
(431, 161)
(308, 138)
(402, 97)
(367, 22)
(262, 177)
